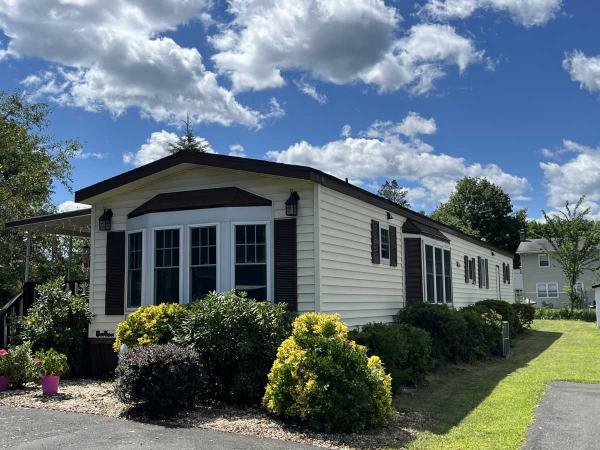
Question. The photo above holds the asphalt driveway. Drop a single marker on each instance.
(567, 418)
(43, 429)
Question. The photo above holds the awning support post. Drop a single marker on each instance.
(27, 255)
(70, 257)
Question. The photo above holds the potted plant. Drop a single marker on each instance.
(4, 368)
(51, 365)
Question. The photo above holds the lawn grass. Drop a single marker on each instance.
(490, 405)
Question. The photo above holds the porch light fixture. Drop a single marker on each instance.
(291, 205)
(104, 222)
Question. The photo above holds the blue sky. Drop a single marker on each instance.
(425, 92)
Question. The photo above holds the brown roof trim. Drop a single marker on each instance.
(199, 199)
(272, 168)
(413, 227)
(48, 218)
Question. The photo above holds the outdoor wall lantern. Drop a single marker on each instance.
(291, 205)
(105, 220)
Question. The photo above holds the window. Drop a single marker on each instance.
(203, 261)
(472, 273)
(438, 275)
(134, 270)
(166, 266)
(544, 260)
(385, 243)
(547, 290)
(579, 288)
(251, 260)
(484, 276)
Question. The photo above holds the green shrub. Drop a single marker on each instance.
(59, 319)
(525, 314)
(236, 340)
(161, 380)
(50, 362)
(483, 334)
(149, 325)
(405, 351)
(446, 327)
(507, 312)
(326, 380)
(583, 314)
(20, 365)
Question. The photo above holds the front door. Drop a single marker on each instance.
(498, 291)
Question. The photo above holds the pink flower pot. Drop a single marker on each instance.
(3, 382)
(50, 384)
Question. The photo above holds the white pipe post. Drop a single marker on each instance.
(70, 257)
(27, 255)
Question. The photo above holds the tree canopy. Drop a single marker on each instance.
(394, 192)
(482, 209)
(31, 161)
(188, 142)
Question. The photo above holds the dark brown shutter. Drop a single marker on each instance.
(479, 271)
(503, 272)
(487, 274)
(393, 247)
(508, 273)
(286, 263)
(466, 269)
(413, 269)
(115, 274)
(375, 256)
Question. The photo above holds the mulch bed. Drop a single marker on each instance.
(94, 397)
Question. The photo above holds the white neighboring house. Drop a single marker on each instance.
(191, 223)
(543, 279)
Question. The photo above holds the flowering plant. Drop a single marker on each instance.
(4, 362)
(50, 362)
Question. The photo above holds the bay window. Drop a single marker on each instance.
(251, 260)
(438, 274)
(166, 265)
(203, 261)
(135, 255)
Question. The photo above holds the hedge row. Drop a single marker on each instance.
(583, 314)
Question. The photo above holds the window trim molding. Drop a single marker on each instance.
(546, 283)
(143, 269)
(182, 243)
(540, 260)
(187, 281)
(382, 259)
(432, 243)
(269, 252)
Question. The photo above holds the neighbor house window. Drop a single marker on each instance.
(134, 270)
(547, 290)
(203, 261)
(438, 275)
(544, 260)
(579, 288)
(251, 260)
(385, 243)
(166, 266)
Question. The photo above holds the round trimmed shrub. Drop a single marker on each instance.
(507, 312)
(525, 314)
(326, 380)
(405, 351)
(148, 325)
(446, 327)
(159, 379)
(483, 334)
(236, 340)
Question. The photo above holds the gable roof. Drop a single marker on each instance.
(278, 169)
(199, 199)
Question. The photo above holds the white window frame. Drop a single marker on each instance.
(443, 247)
(188, 282)
(182, 243)
(540, 260)
(143, 231)
(269, 249)
(580, 283)
(385, 260)
(546, 284)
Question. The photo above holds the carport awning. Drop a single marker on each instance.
(71, 223)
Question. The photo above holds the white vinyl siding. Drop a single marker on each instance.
(361, 292)
(184, 178)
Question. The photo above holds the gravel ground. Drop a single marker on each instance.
(93, 397)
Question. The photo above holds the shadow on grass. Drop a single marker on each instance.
(454, 391)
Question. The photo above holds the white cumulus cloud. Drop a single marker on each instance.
(412, 125)
(583, 69)
(525, 12)
(70, 205)
(111, 54)
(155, 147)
(237, 150)
(431, 176)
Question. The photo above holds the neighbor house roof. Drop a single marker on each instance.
(271, 168)
(534, 246)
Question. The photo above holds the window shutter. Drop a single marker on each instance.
(375, 252)
(480, 271)
(508, 273)
(466, 269)
(286, 263)
(393, 247)
(503, 273)
(487, 274)
(115, 274)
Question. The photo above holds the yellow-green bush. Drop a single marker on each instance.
(326, 380)
(149, 325)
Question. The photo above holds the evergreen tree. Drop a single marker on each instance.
(394, 192)
(189, 142)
